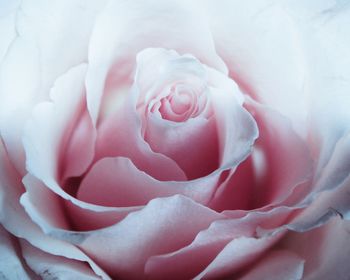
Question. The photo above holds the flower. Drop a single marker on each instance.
(177, 140)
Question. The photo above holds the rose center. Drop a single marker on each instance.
(180, 103)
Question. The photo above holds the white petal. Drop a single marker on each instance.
(11, 265)
(51, 38)
(126, 27)
(260, 44)
(324, 26)
(49, 266)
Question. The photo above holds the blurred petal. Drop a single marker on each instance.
(323, 27)
(8, 7)
(335, 176)
(277, 265)
(7, 25)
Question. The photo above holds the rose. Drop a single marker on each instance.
(235, 216)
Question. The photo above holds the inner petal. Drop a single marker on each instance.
(193, 145)
(191, 113)
(179, 105)
(181, 100)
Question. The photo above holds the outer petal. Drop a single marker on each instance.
(285, 159)
(123, 248)
(49, 266)
(7, 25)
(55, 120)
(330, 196)
(323, 27)
(319, 234)
(277, 265)
(16, 221)
(236, 254)
(260, 44)
(11, 263)
(326, 250)
(195, 258)
(67, 212)
(50, 39)
(335, 176)
(278, 172)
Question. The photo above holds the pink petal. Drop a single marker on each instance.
(282, 161)
(192, 145)
(236, 192)
(78, 149)
(325, 249)
(330, 198)
(123, 248)
(237, 130)
(278, 172)
(120, 135)
(17, 222)
(277, 265)
(162, 226)
(318, 234)
(192, 259)
(57, 208)
(237, 254)
(44, 153)
(117, 182)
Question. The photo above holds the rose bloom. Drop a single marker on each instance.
(174, 139)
